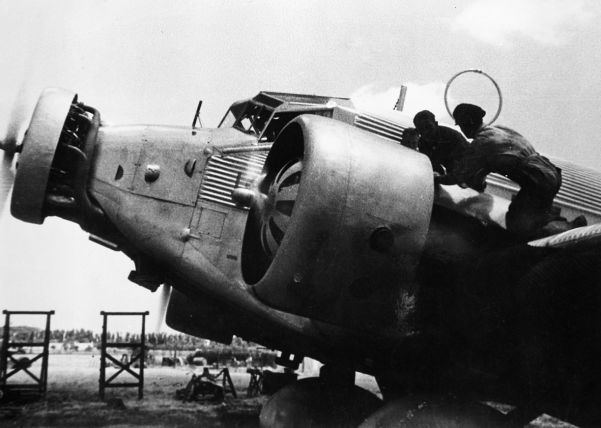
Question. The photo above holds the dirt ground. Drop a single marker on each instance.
(72, 399)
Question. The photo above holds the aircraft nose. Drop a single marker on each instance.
(55, 158)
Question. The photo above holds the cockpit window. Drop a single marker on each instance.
(250, 118)
(260, 120)
(228, 120)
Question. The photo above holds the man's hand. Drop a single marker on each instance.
(480, 186)
(439, 178)
(446, 179)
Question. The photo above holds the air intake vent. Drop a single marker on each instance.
(224, 173)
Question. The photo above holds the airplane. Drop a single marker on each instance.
(303, 224)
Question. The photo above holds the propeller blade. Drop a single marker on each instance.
(163, 303)
(7, 176)
(17, 121)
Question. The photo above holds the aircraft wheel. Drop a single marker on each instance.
(313, 402)
(435, 411)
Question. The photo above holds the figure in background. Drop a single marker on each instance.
(504, 151)
(443, 145)
(410, 138)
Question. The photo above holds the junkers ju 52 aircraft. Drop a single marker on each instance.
(301, 223)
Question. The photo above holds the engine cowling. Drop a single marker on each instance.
(55, 160)
(36, 159)
(338, 223)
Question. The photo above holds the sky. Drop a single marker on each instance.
(152, 61)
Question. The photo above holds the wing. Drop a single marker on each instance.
(582, 237)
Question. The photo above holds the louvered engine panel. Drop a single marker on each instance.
(381, 127)
(224, 173)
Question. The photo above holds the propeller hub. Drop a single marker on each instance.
(244, 197)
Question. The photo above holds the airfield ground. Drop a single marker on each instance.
(72, 400)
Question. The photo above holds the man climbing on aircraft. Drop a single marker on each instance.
(410, 138)
(506, 152)
(443, 145)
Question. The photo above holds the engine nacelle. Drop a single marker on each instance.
(55, 160)
(36, 159)
(338, 224)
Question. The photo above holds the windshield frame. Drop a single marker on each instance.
(257, 119)
(249, 117)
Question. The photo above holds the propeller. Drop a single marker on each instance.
(165, 293)
(270, 213)
(7, 176)
(277, 209)
(11, 144)
(254, 199)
